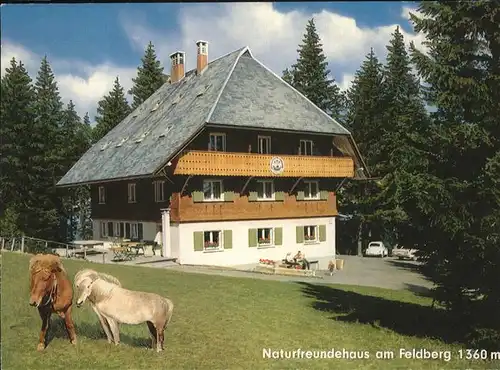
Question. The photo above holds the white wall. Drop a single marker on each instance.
(241, 253)
(174, 241)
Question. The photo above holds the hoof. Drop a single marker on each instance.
(40, 347)
(73, 342)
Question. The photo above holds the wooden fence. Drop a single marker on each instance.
(26, 244)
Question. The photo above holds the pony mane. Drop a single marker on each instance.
(45, 262)
(94, 275)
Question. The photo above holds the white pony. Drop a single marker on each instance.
(92, 275)
(119, 305)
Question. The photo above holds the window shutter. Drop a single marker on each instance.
(197, 196)
(127, 230)
(229, 196)
(252, 238)
(252, 196)
(278, 236)
(299, 231)
(110, 229)
(323, 194)
(228, 239)
(140, 235)
(279, 196)
(300, 195)
(198, 241)
(322, 233)
(122, 230)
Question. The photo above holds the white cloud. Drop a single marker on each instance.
(85, 87)
(273, 36)
(406, 10)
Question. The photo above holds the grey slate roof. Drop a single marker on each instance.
(235, 90)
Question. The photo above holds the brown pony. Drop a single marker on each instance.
(51, 291)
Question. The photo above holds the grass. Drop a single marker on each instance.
(224, 323)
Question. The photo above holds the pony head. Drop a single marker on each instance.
(83, 290)
(43, 280)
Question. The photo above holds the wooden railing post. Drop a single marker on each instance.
(3, 243)
(12, 245)
(22, 244)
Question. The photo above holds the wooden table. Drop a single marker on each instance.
(83, 252)
(133, 246)
(121, 254)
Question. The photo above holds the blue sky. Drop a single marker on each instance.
(88, 45)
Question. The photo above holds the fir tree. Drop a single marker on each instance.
(457, 208)
(111, 110)
(310, 74)
(149, 78)
(17, 117)
(47, 162)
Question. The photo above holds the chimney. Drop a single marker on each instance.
(202, 56)
(177, 70)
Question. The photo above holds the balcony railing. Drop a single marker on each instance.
(184, 209)
(212, 163)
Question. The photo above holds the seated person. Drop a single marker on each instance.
(288, 258)
(301, 258)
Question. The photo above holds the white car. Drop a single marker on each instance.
(402, 252)
(377, 249)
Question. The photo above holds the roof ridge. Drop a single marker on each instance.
(297, 91)
(241, 52)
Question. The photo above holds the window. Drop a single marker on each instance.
(217, 142)
(264, 237)
(264, 144)
(306, 147)
(212, 240)
(310, 233)
(311, 190)
(131, 193)
(136, 231)
(104, 230)
(110, 229)
(102, 195)
(212, 190)
(265, 190)
(159, 189)
(117, 229)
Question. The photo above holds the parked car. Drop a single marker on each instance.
(402, 252)
(377, 249)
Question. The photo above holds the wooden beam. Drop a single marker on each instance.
(246, 185)
(341, 183)
(162, 172)
(295, 184)
(185, 184)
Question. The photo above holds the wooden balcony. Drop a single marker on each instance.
(211, 163)
(183, 209)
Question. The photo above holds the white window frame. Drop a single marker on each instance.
(159, 189)
(307, 233)
(104, 229)
(219, 247)
(261, 234)
(116, 229)
(266, 140)
(264, 198)
(217, 134)
(305, 146)
(102, 195)
(134, 230)
(212, 199)
(308, 185)
(132, 193)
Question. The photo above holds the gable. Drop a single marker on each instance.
(256, 97)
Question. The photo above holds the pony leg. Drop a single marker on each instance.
(70, 326)
(104, 324)
(45, 316)
(161, 336)
(114, 329)
(152, 331)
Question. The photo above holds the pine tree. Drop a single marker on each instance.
(364, 118)
(111, 110)
(149, 78)
(458, 209)
(47, 161)
(310, 74)
(17, 117)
